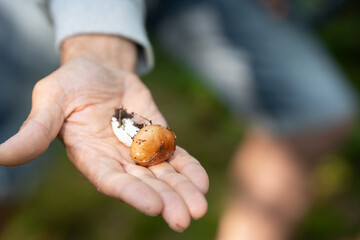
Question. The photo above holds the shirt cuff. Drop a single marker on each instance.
(125, 18)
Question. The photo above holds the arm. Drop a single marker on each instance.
(107, 50)
(76, 103)
(109, 17)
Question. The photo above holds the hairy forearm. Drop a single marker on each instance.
(110, 50)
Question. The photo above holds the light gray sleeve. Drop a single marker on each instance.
(125, 18)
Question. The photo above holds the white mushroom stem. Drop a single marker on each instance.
(124, 131)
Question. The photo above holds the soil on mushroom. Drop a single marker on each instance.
(121, 113)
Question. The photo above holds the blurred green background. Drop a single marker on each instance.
(66, 206)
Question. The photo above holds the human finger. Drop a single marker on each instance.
(109, 177)
(40, 128)
(194, 199)
(187, 165)
(175, 211)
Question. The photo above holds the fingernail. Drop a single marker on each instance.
(177, 230)
(152, 215)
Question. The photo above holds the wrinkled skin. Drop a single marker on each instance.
(76, 103)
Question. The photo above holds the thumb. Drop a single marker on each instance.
(40, 128)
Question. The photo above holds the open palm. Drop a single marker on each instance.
(76, 103)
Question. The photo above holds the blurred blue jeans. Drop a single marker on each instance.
(272, 71)
(26, 55)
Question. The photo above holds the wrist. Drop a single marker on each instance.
(110, 50)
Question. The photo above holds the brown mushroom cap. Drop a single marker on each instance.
(153, 144)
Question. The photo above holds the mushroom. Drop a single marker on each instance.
(149, 144)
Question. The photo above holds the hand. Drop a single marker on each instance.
(76, 103)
